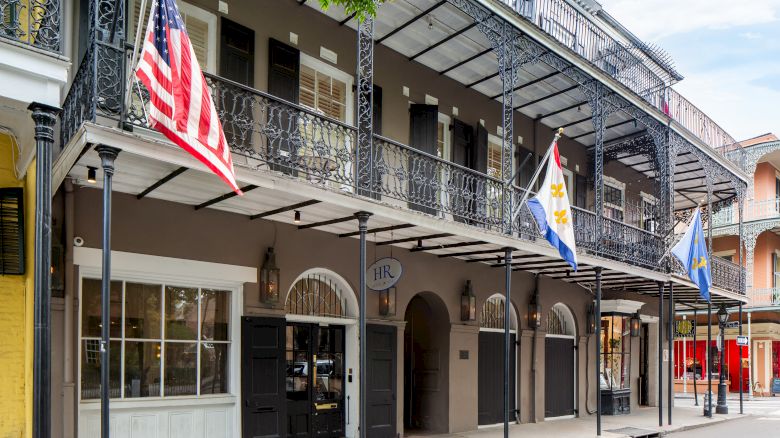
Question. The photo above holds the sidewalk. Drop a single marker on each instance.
(684, 418)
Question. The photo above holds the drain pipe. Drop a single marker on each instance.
(69, 377)
(533, 355)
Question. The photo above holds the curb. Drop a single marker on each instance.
(703, 425)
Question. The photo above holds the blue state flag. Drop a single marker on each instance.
(691, 250)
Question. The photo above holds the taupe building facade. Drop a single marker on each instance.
(238, 315)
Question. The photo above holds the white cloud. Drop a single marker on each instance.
(735, 98)
(655, 19)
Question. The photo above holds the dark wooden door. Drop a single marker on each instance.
(262, 377)
(381, 381)
(490, 401)
(558, 377)
(237, 63)
(315, 381)
(423, 136)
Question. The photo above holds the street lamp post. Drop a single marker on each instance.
(723, 316)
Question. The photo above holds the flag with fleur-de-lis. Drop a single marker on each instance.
(552, 211)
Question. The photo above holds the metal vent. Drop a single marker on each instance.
(11, 231)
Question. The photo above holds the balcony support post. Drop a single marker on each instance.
(660, 354)
(45, 118)
(365, 105)
(669, 369)
(507, 68)
(362, 218)
(599, 121)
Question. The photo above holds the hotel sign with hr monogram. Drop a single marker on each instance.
(383, 274)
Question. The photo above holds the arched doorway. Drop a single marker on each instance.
(320, 347)
(426, 376)
(560, 379)
(491, 361)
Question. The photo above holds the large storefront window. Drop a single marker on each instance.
(166, 340)
(615, 352)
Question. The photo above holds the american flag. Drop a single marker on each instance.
(180, 104)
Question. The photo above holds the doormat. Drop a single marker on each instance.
(633, 432)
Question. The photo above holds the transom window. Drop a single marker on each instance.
(560, 321)
(166, 340)
(494, 313)
(316, 295)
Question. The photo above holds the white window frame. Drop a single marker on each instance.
(569, 175)
(328, 69)
(210, 66)
(132, 267)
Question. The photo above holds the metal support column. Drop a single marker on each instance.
(669, 373)
(44, 117)
(365, 105)
(107, 156)
(695, 392)
(708, 398)
(507, 68)
(597, 317)
(507, 339)
(362, 227)
(741, 411)
(599, 121)
(660, 353)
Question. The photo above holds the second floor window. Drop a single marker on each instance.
(323, 93)
(614, 200)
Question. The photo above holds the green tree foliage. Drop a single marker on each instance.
(361, 8)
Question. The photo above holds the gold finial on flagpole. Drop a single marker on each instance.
(560, 132)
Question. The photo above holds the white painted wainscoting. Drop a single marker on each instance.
(206, 417)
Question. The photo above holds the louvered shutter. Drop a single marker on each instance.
(11, 231)
(197, 29)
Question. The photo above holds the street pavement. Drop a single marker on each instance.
(762, 419)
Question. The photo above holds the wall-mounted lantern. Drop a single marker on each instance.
(269, 279)
(591, 327)
(468, 303)
(387, 302)
(636, 324)
(534, 312)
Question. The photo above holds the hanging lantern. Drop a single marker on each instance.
(269, 279)
(636, 324)
(468, 303)
(387, 302)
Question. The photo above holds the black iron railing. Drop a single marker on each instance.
(633, 64)
(33, 22)
(726, 275)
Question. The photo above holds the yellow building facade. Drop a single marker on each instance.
(16, 309)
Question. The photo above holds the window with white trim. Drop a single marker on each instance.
(166, 340)
(201, 28)
(325, 89)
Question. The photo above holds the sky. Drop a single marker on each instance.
(727, 50)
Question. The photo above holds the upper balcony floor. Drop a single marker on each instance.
(284, 87)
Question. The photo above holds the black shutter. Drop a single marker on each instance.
(479, 159)
(462, 150)
(11, 231)
(581, 191)
(284, 64)
(525, 165)
(237, 63)
(423, 135)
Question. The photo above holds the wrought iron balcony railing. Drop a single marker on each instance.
(754, 211)
(33, 22)
(268, 133)
(632, 64)
(726, 275)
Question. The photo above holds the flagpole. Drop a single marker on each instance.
(671, 247)
(134, 59)
(536, 175)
